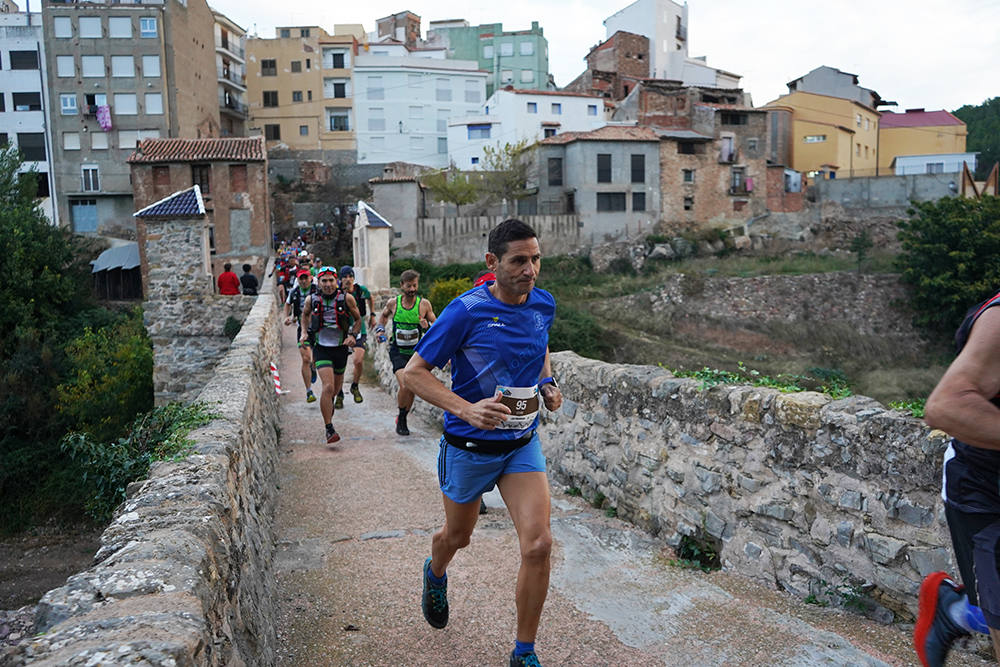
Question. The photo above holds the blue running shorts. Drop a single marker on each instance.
(465, 475)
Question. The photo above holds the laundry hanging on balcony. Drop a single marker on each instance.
(104, 117)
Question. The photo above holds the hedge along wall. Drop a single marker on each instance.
(184, 574)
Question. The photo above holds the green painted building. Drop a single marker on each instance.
(518, 58)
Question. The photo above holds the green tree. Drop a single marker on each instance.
(983, 124)
(860, 245)
(949, 251)
(452, 186)
(506, 171)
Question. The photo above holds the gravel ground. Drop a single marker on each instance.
(354, 525)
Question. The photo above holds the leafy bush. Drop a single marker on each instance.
(109, 467)
(443, 291)
(949, 257)
(232, 327)
(915, 406)
(829, 381)
(578, 331)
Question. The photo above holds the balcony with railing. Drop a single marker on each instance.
(229, 46)
(227, 75)
(232, 106)
(682, 32)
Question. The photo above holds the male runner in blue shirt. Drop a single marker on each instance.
(496, 337)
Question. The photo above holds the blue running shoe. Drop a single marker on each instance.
(526, 660)
(935, 632)
(434, 601)
(312, 371)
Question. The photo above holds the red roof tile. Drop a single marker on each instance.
(560, 93)
(918, 119)
(606, 133)
(225, 149)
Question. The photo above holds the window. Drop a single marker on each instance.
(161, 175)
(340, 121)
(90, 27)
(638, 201)
(867, 124)
(685, 147)
(32, 145)
(90, 178)
(527, 75)
(866, 151)
(270, 98)
(442, 119)
(151, 66)
(71, 141)
(201, 175)
(296, 66)
(688, 203)
(147, 26)
(935, 167)
(479, 131)
(443, 90)
(128, 138)
(814, 138)
(527, 48)
(507, 76)
(737, 180)
(375, 89)
(24, 59)
(555, 170)
(120, 27)
(442, 145)
(687, 175)
(472, 91)
(416, 144)
(83, 212)
(96, 99)
(733, 118)
(272, 132)
(532, 107)
(488, 52)
(338, 88)
(27, 101)
(303, 130)
(416, 112)
(610, 201)
(474, 160)
(857, 119)
(591, 109)
(556, 108)
(548, 132)
(857, 150)
(93, 66)
(604, 168)
(751, 144)
(296, 95)
(285, 33)
(308, 63)
(125, 104)
(154, 104)
(268, 67)
(337, 60)
(122, 66)
(309, 95)
(238, 177)
(67, 104)
(98, 141)
(376, 121)
(304, 32)
(507, 48)
(62, 27)
(638, 168)
(65, 66)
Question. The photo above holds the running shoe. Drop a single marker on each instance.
(357, 393)
(331, 434)
(526, 660)
(401, 425)
(310, 396)
(434, 601)
(312, 372)
(935, 631)
(338, 403)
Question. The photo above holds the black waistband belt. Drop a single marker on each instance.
(487, 446)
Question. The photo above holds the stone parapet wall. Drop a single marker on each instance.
(797, 490)
(184, 574)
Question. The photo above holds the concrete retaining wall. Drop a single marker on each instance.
(184, 574)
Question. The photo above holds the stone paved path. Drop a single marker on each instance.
(353, 528)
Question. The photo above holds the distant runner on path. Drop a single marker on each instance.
(496, 338)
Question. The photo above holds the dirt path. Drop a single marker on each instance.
(354, 525)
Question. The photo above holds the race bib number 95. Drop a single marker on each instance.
(523, 404)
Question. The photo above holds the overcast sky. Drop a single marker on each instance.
(919, 53)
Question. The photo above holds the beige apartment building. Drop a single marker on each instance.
(230, 64)
(299, 87)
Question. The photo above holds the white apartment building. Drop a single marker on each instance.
(24, 100)
(665, 23)
(512, 115)
(403, 101)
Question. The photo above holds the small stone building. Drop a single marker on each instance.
(231, 174)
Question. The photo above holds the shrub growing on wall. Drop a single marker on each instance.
(444, 291)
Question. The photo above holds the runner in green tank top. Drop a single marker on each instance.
(410, 316)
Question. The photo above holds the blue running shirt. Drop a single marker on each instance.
(489, 344)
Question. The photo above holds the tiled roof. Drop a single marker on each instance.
(918, 119)
(558, 93)
(606, 133)
(184, 204)
(235, 149)
(369, 218)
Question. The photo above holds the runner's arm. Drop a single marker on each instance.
(387, 312)
(486, 414)
(960, 403)
(551, 394)
(352, 307)
(429, 315)
(306, 314)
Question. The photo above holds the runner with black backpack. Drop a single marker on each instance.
(367, 308)
(332, 318)
(293, 312)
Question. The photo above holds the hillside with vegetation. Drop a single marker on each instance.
(983, 124)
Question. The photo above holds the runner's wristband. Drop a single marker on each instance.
(549, 380)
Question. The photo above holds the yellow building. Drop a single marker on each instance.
(918, 132)
(299, 87)
(832, 135)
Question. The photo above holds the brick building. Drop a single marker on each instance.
(232, 176)
(614, 67)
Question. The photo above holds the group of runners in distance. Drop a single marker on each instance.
(495, 337)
